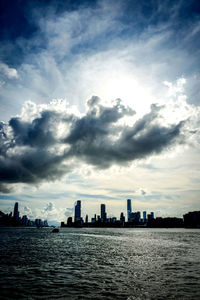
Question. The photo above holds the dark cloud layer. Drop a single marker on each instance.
(34, 151)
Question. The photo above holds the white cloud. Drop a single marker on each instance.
(131, 69)
(9, 72)
(26, 210)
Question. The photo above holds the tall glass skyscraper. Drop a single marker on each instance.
(144, 216)
(77, 216)
(129, 209)
(103, 212)
(16, 212)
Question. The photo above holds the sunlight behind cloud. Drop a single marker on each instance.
(110, 76)
(127, 88)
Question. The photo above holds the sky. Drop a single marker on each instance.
(99, 102)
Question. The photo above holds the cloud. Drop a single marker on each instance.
(8, 72)
(26, 210)
(50, 213)
(69, 212)
(49, 207)
(97, 139)
(52, 141)
(5, 189)
(98, 45)
(143, 192)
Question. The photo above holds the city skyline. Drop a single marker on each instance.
(14, 219)
(77, 214)
(134, 219)
(99, 102)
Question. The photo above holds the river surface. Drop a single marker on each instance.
(91, 263)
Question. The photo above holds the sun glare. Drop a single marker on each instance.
(128, 89)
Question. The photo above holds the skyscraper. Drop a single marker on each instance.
(129, 209)
(152, 215)
(16, 212)
(122, 218)
(138, 216)
(77, 215)
(86, 219)
(24, 220)
(144, 216)
(103, 212)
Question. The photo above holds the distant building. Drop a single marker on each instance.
(69, 221)
(138, 216)
(86, 219)
(103, 212)
(169, 222)
(135, 217)
(122, 218)
(38, 222)
(192, 219)
(25, 220)
(129, 209)
(45, 223)
(113, 220)
(144, 216)
(77, 215)
(16, 212)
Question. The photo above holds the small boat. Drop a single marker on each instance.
(55, 230)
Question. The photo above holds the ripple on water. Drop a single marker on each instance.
(99, 264)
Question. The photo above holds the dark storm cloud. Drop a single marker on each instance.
(95, 138)
(38, 133)
(24, 151)
(98, 122)
(30, 151)
(5, 189)
(31, 166)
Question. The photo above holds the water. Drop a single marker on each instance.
(92, 263)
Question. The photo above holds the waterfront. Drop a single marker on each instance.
(99, 263)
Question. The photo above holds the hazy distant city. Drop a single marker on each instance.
(133, 219)
(14, 219)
